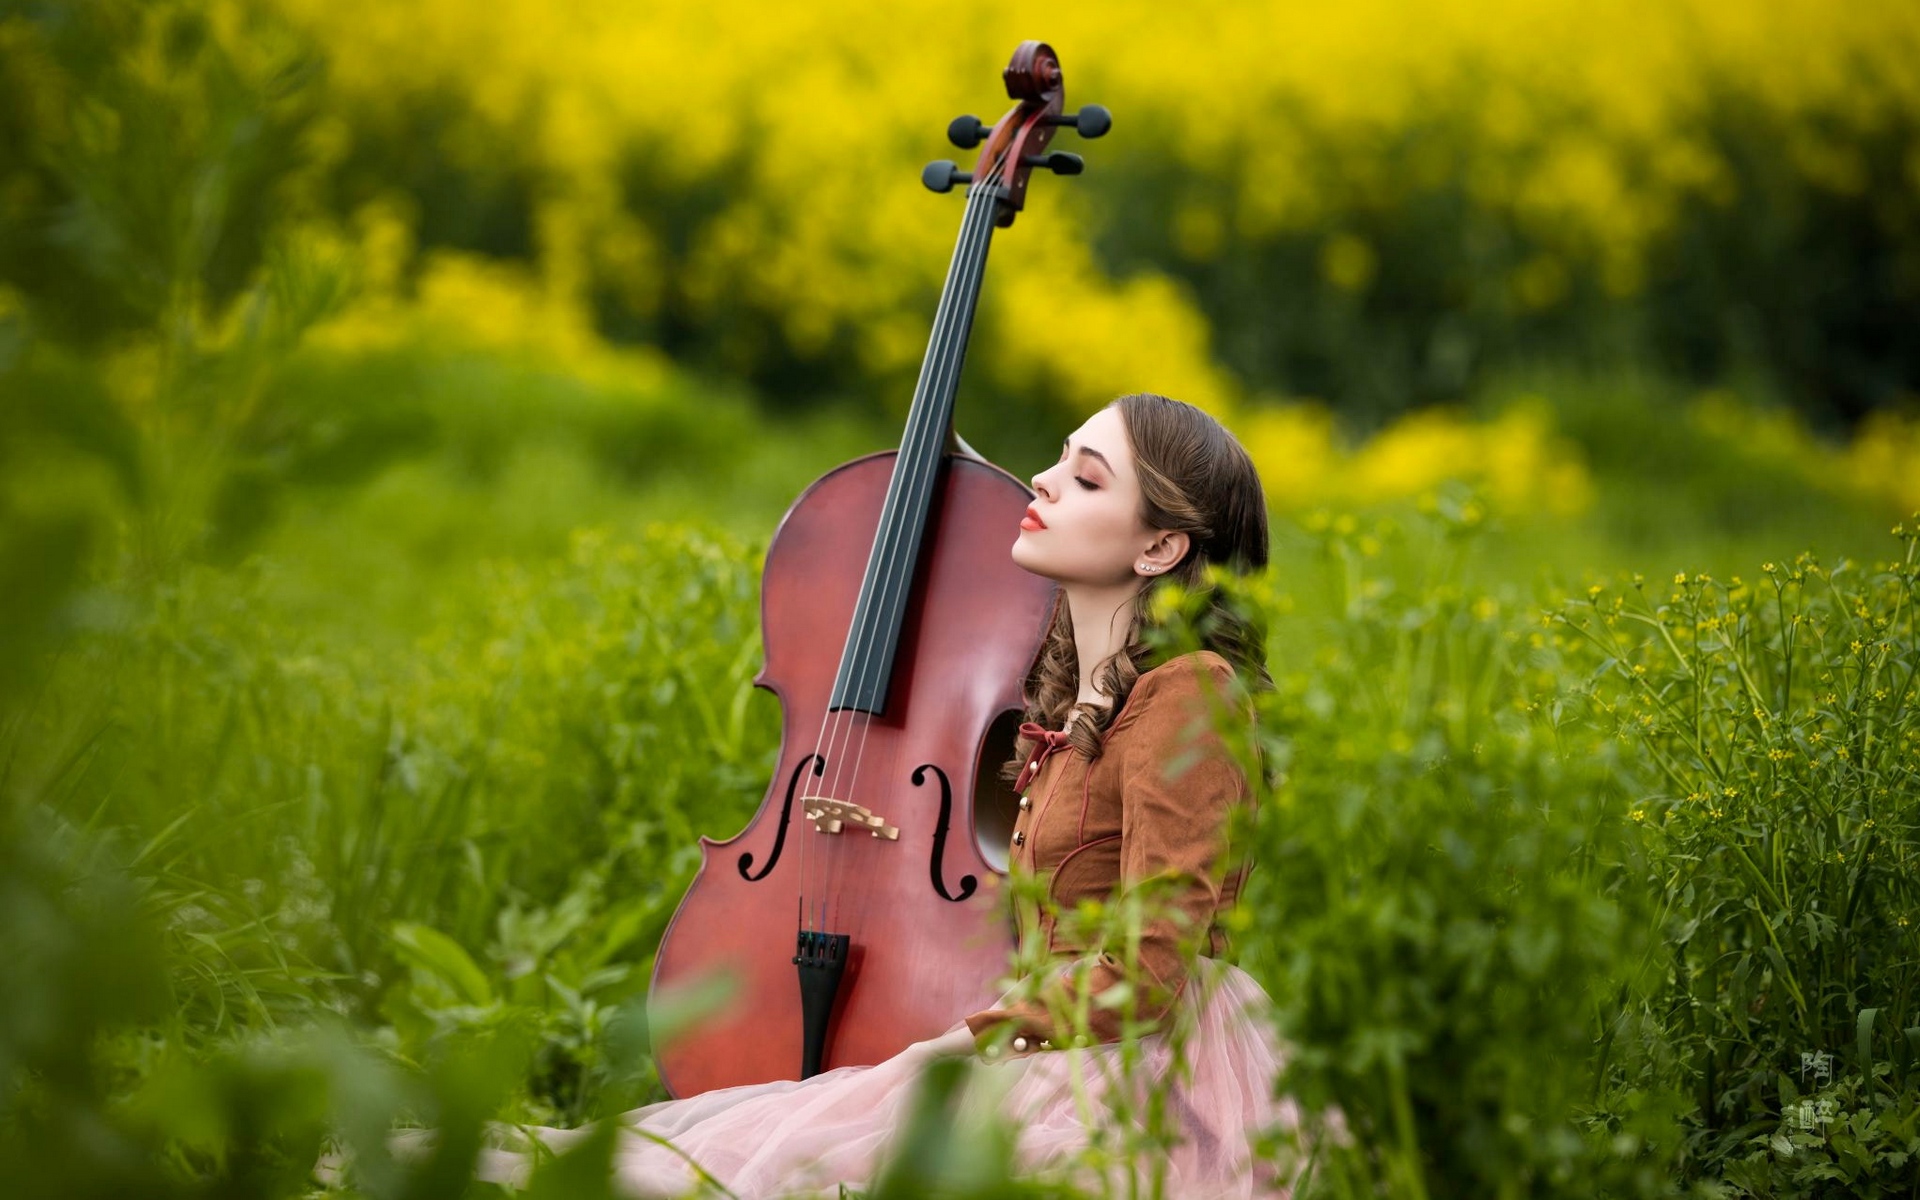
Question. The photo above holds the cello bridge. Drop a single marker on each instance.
(831, 816)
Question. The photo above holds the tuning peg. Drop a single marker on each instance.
(968, 131)
(1091, 121)
(1059, 162)
(942, 175)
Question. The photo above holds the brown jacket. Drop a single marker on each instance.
(1155, 801)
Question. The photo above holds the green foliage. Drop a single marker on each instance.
(1774, 733)
(80, 960)
(329, 837)
(148, 159)
(63, 429)
(1676, 481)
(152, 167)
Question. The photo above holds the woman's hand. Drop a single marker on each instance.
(1009, 1039)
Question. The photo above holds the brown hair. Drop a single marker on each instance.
(1196, 478)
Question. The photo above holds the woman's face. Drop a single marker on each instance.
(1089, 503)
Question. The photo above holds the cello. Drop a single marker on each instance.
(856, 912)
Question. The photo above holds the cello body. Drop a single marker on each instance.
(964, 654)
(861, 910)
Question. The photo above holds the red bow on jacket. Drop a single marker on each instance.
(1049, 739)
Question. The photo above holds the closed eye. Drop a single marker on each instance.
(1092, 487)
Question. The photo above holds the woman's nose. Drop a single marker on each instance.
(1040, 484)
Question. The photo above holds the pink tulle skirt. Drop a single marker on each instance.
(806, 1137)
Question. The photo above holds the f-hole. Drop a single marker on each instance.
(995, 804)
(786, 819)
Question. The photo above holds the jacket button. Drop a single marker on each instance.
(1025, 803)
(1019, 839)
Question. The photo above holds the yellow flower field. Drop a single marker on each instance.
(1575, 121)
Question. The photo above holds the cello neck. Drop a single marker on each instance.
(866, 661)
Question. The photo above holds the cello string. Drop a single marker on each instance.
(926, 444)
(833, 725)
(921, 454)
(892, 545)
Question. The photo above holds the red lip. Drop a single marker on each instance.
(1032, 520)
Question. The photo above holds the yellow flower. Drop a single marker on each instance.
(1348, 262)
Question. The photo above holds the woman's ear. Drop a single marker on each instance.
(1163, 555)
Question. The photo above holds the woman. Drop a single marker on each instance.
(1123, 781)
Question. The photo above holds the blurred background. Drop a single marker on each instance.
(391, 394)
(378, 289)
